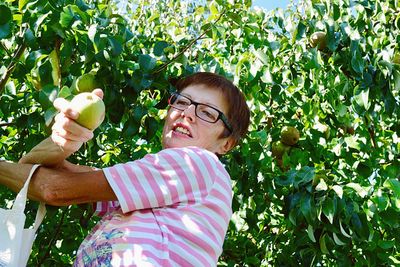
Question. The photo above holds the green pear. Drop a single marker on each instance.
(318, 39)
(86, 83)
(290, 135)
(279, 149)
(91, 110)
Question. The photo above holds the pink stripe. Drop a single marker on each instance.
(157, 245)
(224, 213)
(189, 249)
(223, 197)
(180, 261)
(197, 173)
(130, 170)
(194, 239)
(153, 183)
(126, 197)
(220, 228)
(151, 254)
(165, 173)
(177, 220)
(225, 180)
(181, 176)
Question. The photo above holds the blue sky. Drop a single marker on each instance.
(271, 4)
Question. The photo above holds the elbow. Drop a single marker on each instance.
(53, 194)
(51, 197)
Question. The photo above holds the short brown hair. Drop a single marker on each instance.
(238, 113)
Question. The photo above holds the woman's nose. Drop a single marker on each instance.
(190, 112)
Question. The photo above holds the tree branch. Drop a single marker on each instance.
(163, 66)
(11, 66)
(5, 49)
(371, 132)
(6, 124)
(55, 236)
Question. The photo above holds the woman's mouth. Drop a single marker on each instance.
(182, 130)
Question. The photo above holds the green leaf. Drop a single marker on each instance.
(352, 142)
(214, 8)
(391, 217)
(306, 207)
(49, 115)
(116, 47)
(386, 244)
(321, 186)
(322, 244)
(358, 188)
(304, 175)
(396, 78)
(47, 95)
(6, 15)
(394, 185)
(310, 233)
(337, 240)
(343, 231)
(5, 30)
(159, 47)
(147, 62)
(338, 189)
(362, 99)
(261, 56)
(328, 208)
(381, 202)
(21, 4)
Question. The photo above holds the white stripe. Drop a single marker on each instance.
(204, 171)
(160, 181)
(143, 180)
(190, 257)
(173, 179)
(128, 186)
(114, 186)
(188, 170)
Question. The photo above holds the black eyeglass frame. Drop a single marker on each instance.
(221, 115)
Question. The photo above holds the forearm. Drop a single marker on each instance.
(14, 175)
(57, 187)
(46, 153)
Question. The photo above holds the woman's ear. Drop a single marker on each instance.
(226, 145)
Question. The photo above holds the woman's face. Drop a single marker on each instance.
(184, 128)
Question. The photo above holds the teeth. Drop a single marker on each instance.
(182, 130)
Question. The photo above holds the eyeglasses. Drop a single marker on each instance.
(203, 111)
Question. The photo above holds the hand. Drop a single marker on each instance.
(66, 133)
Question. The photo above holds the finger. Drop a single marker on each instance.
(98, 92)
(69, 129)
(58, 140)
(64, 106)
(71, 136)
(66, 144)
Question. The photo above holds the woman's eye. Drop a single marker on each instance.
(182, 102)
(209, 114)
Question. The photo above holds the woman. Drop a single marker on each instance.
(171, 208)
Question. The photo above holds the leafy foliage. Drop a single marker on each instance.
(334, 199)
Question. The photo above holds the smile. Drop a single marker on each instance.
(182, 130)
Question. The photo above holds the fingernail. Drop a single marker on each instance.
(73, 114)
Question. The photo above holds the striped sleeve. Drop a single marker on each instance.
(103, 207)
(172, 176)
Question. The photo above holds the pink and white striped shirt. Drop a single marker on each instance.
(173, 209)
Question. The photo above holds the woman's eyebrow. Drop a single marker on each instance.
(205, 103)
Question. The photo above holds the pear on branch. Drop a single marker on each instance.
(290, 135)
(86, 83)
(318, 39)
(279, 149)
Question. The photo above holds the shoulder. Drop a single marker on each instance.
(190, 154)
